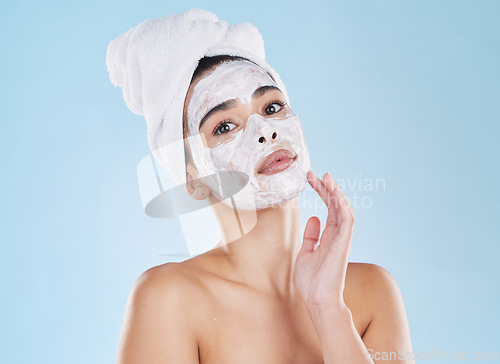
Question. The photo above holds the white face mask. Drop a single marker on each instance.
(245, 151)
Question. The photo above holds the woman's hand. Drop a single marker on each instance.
(320, 269)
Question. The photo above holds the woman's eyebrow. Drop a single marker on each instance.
(229, 104)
(262, 90)
(226, 105)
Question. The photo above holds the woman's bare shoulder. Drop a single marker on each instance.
(167, 279)
(365, 279)
(160, 323)
(366, 271)
(180, 279)
(376, 300)
(367, 286)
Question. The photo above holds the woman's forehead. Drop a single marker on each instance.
(239, 78)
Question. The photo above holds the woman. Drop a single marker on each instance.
(268, 294)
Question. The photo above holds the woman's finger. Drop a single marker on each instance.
(341, 198)
(333, 219)
(329, 182)
(339, 208)
(311, 234)
(320, 188)
(345, 211)
(332, 186)
(340, 220)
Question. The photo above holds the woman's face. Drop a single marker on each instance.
(238, 120)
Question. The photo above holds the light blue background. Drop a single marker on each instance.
(406, 91)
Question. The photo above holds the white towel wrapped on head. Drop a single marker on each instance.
(154, 62)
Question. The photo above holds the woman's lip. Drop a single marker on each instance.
(277, 167)
(276, 162)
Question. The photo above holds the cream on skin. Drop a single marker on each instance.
(245, 147)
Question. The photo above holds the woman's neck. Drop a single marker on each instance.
(264, 257)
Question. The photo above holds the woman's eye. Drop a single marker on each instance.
(224, 127)
(273, 108)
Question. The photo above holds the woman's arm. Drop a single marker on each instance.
(387, 336)
(340, 342)
(320, 275)
(156, 328)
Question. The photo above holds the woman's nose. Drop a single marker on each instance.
(268, 134)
